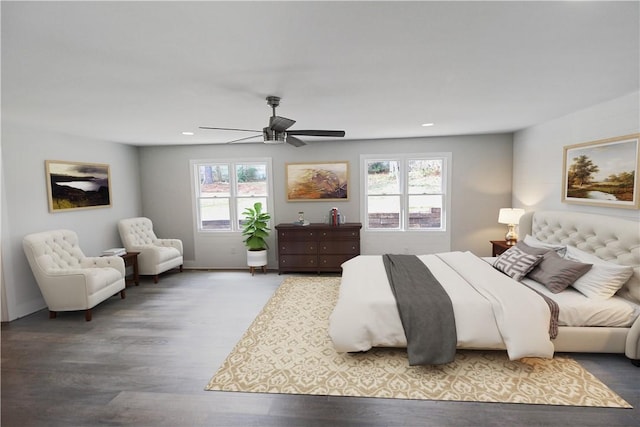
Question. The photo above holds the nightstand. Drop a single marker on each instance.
(499, 246)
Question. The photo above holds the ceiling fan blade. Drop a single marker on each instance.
(295, 141)
(280, 124)
(239, 130)
(333, 133)
(243, 139)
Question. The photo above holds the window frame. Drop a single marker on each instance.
(234, 215)
(403, 160)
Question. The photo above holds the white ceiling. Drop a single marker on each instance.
(143, 72)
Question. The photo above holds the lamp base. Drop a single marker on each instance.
(511, 237)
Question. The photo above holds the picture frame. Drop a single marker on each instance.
(603, 172)
(77, 185)
(317, 181)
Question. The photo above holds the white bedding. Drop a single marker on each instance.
(490, 311)
(579, 310)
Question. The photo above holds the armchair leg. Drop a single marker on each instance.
(122, 294)
(155, 278)
(180, 268)
(87, 315)
(53, 314)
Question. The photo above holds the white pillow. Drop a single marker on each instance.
(535, 243)
(603, 280)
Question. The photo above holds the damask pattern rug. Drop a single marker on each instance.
(287, 350)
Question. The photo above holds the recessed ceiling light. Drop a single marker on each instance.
(427, 124)
(188, 133)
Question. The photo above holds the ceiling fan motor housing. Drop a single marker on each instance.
(273, 137)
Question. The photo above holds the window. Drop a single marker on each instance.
(223, 189)
(405, 192)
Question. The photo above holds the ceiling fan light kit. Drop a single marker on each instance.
(276, 132)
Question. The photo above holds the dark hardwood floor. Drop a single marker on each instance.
(145, 360)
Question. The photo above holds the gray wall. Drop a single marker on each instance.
(538, 153)
(155, 182)
(481, 185)
(25, 206)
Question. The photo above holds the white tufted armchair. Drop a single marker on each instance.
(155, 255)
(67, 278)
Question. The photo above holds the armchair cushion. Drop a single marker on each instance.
(104, 262)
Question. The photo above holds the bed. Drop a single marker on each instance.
(491, 313)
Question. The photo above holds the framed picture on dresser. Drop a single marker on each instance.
(603, 172)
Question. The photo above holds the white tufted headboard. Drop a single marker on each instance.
(610, 238)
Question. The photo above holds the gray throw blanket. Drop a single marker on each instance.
(554, 309)
(425, 310)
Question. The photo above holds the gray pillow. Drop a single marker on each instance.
(557, 273)
(531, 250)
(516, 263)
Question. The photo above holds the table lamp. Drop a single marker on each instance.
(511, 217)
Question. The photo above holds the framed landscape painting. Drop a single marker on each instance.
(75, 185)
(317, 181)
(603, 173)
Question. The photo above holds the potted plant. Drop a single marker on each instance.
(255, 232)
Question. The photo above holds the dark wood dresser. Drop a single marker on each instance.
(316, 247)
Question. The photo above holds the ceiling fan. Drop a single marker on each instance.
(277, 133)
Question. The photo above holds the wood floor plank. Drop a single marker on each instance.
(145, 360)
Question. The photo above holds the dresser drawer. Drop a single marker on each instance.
(337, 234)
(296, 234)
(332, 262)
(288, 262)
(339, 247)
(297, 247)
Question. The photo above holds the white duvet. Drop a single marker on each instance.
(491, 310)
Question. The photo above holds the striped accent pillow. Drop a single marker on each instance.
(516, 263)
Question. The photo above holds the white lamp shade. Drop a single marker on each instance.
(510, 216)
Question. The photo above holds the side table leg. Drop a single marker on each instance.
(136, 276)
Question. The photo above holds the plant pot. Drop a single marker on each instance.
(257, 259)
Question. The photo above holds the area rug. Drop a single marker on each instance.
(287, 350)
